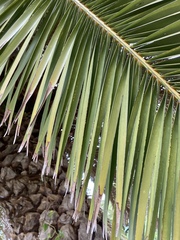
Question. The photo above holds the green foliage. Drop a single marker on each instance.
(113, 67)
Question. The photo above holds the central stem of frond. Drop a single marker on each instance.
(126, 46)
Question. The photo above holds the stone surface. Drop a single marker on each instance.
(64, 219)
(31, 222)
(50, 217)
(21, 206)
(3, 192)
(43, 205)
(66, 205)
(32, 188)
(37, 210)
(7, 161)
(18, 187)
(82, 232)
(46, 232)
(35, 198)
(31, 236)
(7, 174)
(68, 232)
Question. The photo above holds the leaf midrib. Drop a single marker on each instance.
(140, 59)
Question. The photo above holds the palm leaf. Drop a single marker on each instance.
(114, 67)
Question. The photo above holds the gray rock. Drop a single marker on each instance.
(9, 184)
(18, 187)
(68, 233)
(35, 198)
(31, 236)
(62, 176)
(46, 232)
(1, 144)
(33, 188)
(25, 162)
(82, 232)
(43, 205)
(8, 206)
(54, 198)
(62, 189)
(21, 206)
(35, 167)
(6, 138)
(7, 161)
(21, 159)
(50, 217)
(3, 192)
(17, 228)
(64, 219)
(32, 169)
(24, 180)
(9, 149)
(66, 205)
(82, 218)
(17, 159)
(24, 173)
(31, 222)
(45, 190)
(7, 174)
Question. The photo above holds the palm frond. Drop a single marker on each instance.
(114, 68)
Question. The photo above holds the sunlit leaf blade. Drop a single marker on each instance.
(151, 165)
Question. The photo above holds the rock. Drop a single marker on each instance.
(66, 205)
(24, 173)
(18, 187)
(7, 161)
(43, 205)
(9, 207)
(25, 162)
(82, 218)
(18, 224)
(62, 176)
(1, 144)
(50, 217)
(35, 198)
(62, 189)
(46, 232)
(31, 236)
(21, 236)
(35, 167)
(21, 206)
(6, 138)
(7, 174)
(17, 159)
(82, 232)
(54, 198)
(32, 169)
(68, 233)
(32, 188)
(3, 192)
(64, 219)
(31, 222)
(45, 190)
(21, 160)
(9, 184)
(9, 149)
(13, 236)
(24, 180)
(54, 187)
